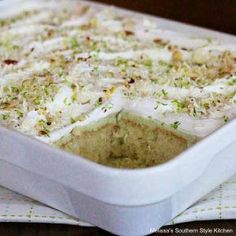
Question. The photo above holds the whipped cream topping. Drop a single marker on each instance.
(67, 65)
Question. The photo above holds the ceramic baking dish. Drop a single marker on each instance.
(122, 201)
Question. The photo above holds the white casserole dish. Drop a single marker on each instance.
(125, 202)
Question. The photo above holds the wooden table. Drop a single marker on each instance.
(16, 229)
(215, 14)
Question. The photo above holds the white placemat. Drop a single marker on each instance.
(219, 204)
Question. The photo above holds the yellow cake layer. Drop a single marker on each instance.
(125, 140)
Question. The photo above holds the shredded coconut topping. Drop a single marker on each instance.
(61, 64)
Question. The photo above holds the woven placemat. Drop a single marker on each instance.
(219, 204)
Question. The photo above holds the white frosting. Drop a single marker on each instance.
(25, 30)
(75, 22)
(158, 54)
(63, 96)
(31, 119)
(163, 113)
(173, 37)
(95, 64)
(36, 67)
(47, 46)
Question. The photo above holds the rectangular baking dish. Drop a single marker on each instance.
(122, 201)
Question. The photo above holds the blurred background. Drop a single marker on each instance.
(214, 14)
